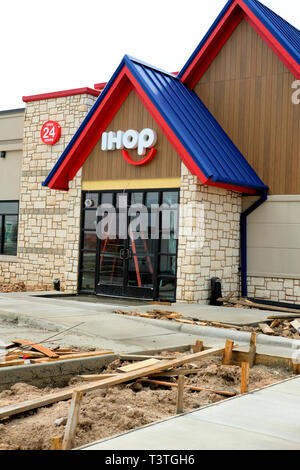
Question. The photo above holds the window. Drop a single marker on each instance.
(8, 227)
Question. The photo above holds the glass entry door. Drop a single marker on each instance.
(124, 244)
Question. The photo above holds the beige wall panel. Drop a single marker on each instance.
(10, 174)
(11, 126)
(249, 91)
(274, 238)
(274, 262)
(111, 165)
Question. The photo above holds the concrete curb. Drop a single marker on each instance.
(222, 333)
(38, 323)
(54, 374)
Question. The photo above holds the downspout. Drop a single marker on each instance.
(243, 227)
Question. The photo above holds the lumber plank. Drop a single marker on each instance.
(147, 315)
(141, 357)
(93, 378)
(65, 357)
(12, 363)
(283, 317)
(248, 303)
(121, 378)
(266, 329)
(189, 387)
(138, 365)
(296, 324)
(225, 325)
(37, 347)
(73, 418)
(188, 322)
(145, 372)
(176, 372)
(179, 401)
(35, 403)
(12, 357)
(275, 323)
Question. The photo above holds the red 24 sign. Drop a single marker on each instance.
(51, 132)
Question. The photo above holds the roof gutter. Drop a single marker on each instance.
(243, 231)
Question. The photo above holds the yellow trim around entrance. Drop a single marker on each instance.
(146, 183)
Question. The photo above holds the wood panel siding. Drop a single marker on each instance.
(101, 165)
(249, 91)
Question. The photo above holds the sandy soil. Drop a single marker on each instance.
(120, 408)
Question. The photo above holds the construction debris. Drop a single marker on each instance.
(280, 325)
(35, 353)
(121, 401)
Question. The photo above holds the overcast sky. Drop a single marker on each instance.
(61, 44)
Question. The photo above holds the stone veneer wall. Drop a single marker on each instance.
(49, 221)
(274, 289)
(212, 249)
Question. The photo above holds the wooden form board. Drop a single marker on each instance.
(121, 378)
(138, 365)
(37, 347)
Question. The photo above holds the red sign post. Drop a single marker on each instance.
(50, 132)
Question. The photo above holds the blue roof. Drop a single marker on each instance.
(204, 139)
(286, 34)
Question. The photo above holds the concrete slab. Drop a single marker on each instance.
(231, 315)
(231, 424)
(102, 328)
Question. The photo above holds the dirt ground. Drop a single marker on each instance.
(20, 287)
(121, 408)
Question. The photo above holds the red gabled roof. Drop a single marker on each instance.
(280, 36)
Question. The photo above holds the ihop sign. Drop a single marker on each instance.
(131, 139)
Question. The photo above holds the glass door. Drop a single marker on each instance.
(129, 243)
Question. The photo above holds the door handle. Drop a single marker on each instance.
(125, 253)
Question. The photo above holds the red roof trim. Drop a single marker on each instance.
(97, 124)
(100, 86)
(61, 94)
(221, 34)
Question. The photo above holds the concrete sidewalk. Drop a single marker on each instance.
(101, 328)
(229, 425)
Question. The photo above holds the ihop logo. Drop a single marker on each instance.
(129, 140)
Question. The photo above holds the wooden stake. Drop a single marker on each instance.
(198, 346)
(245, 377)
(296, 368)
(56, 443)
(252, 350)
(179, 405)
(72, 421)
(227, 358)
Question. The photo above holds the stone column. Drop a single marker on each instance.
(49, 220)
(209, 241)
